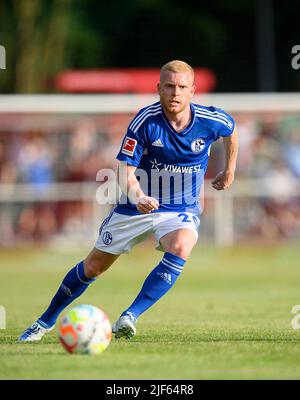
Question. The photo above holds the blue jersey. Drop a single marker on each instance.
(171, 165)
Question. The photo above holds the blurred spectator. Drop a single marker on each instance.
(35, 161)
(280, 220)
(248, 135)
(74, 149)
(36, 224)
(291, 153)
(8, 172)
(265, 149)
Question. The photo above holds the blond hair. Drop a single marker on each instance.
(177, 66)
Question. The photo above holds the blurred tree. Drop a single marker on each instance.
(39, 37)
(7, 39)
(44, 37)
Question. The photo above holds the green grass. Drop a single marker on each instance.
(228, 317)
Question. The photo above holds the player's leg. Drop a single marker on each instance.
(180, 242)
(177, 246)
(116, 235)
(73, 285)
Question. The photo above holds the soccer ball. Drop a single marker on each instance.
(84, 329)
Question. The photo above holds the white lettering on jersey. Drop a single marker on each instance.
(182, 169)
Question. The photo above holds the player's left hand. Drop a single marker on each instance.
(223, 180)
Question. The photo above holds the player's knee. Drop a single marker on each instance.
(98, 262)
(180, 250)
(93, 267)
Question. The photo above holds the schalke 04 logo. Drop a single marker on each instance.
(198, 145)
(107, 237)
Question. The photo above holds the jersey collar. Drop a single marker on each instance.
(187, 129)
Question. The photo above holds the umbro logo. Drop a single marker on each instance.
(158, 143)
(166, 277)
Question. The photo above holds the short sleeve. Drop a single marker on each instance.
(226, 123)
(132, 148)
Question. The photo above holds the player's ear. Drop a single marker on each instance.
(193, 90)
(158, 87)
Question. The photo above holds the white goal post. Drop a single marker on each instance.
(131, 103)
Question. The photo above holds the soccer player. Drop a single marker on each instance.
(164, 155)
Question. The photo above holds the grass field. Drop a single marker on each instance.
(228, 316)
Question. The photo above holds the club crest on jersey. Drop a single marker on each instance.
(129, 146)
(198, 145)
(107, 238)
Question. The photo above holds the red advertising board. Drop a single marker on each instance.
(124, 80)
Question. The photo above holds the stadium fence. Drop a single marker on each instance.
(262, 204)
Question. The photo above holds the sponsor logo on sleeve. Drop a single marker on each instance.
(129, 146)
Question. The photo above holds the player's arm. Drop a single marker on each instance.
(131, 188)
(226, 177)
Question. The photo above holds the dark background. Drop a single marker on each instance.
(247, 43)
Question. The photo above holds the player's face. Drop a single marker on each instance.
(175, 90)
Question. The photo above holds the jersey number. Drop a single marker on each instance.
(185, 217)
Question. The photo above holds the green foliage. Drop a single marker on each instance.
(43, 38)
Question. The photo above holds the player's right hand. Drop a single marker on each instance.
(147, 204)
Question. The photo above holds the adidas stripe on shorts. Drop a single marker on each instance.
(119, 233)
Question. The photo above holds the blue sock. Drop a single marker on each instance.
(73, 285)
(158, 283)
